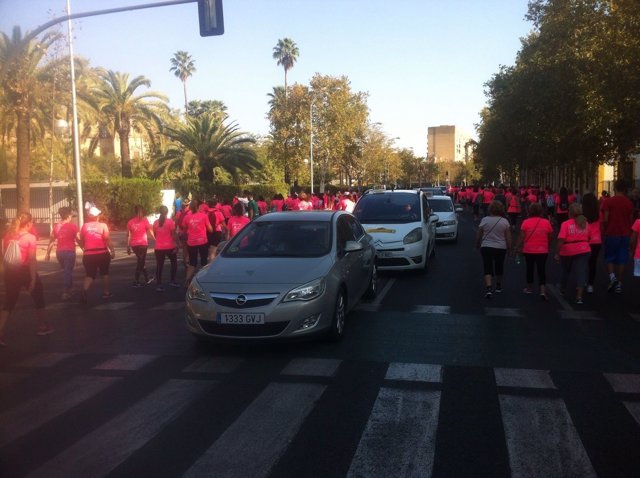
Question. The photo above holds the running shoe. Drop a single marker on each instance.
(498, 288)
(488, 295)
(107, 295)
(613, 283)
(175, 284)
(618, 288)
(526, 290)
(46, 330)
(136, 285)
(589, 289)
(160, 288)
(579, 301)
(150, 280)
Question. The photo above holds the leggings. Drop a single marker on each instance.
(141, 255)
(536, 261)
(574, 265)
(173, 258)
(593, 260)
(493, 260)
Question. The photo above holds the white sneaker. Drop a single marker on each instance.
(589, 289)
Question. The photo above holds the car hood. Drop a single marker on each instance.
(446, 216)
(390, 232)
(279, 270)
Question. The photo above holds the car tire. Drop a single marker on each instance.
(372, 288)
(336, 331)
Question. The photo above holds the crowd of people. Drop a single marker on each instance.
(584, 224)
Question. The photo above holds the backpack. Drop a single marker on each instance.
(12, 256)
(550, 201)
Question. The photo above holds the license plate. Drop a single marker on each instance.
(240, 318)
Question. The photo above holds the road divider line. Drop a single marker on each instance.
(523, 378)
(129, 362)
(502, 312)
(432, 309)
(374, 305)
(414, 372)
(624, 382)
(552, 289)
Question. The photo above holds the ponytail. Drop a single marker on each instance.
(163, 215)
(19, 222)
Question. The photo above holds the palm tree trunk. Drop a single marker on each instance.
(125, 153)
(23, 160)
(184, 87)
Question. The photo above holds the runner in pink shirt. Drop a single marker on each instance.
(98, 251)
(197, 225)
(64, 236)
(574, 250)
(536, 233)
(236, 222)
(164, 230)
(139, 228)
(594, 223)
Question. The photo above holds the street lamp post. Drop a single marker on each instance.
(311, 143)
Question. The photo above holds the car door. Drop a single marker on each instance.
(367, 255)
(349, 262)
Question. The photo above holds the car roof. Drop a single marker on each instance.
(440, 198)
(300, 216)
(389, 191)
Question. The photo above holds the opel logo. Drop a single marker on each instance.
(241, 299)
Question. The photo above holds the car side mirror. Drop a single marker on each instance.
(459, 208)
(353, 246)
(433, 218)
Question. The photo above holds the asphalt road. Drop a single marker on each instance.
(431, 379)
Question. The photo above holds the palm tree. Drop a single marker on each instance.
(117, 103)
(21, 70)
(286, 52)
(205, 143)
(183, 67)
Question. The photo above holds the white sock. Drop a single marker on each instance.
(612, 276)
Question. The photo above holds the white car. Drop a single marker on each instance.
(402, 226)
(447, 225)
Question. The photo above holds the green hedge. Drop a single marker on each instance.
(207, 190)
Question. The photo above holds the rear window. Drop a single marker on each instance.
(441, 206)
(391, 208)
(281, 239)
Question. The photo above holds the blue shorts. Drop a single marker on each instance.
(616, 249)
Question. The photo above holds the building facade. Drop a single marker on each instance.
(447, 143)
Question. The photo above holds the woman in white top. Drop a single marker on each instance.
(494, 241)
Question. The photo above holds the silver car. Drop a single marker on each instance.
(447, 225)
(284, 275)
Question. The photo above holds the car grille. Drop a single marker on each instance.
(236, 330)
(392, 261)
(250, 300)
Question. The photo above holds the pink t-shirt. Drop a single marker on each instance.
(26, 242)
(576, 240)
(94, 236)
(277, 204)
(164, 234)
(138, 227)
(196, 227)
(236, 223)
(636, 229)
(65, 233)
(305, 205)
(595, 234)
(536, 235)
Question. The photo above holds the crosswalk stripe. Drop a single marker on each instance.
(541, 439)
(107, 446)
(414, 372)
(170, 306)
(214, 365)
(21, 420)
(634, 409)
(579, 315)
(45, 360)
(525, 378)
(502, 312)
(261, 434)
(624, 382)
(315, 367)
(126, 362)
(432, 309)
(399, 439)
(113, 305)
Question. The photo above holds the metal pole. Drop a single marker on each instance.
(76, 139)
(311, 144)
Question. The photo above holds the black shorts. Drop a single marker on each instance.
(194, 251)
(15, 278)
(96, 262)
(214, 238)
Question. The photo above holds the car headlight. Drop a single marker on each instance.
(306, 292)
(413, 236)
(195, 292)
(449, 223)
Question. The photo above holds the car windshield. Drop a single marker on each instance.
(281, 239)
(441, 206)
(393, 208)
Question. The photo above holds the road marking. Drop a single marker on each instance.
(315, 367)
(624, 382)
(126, 362)
(579, 315)
(414, 372)
(113, 305)
(431, 309)
(45, 360)
(556, 294)
(502, 312)
(214, 365)
(634, 409)
(541, 439)
(399, 439)
(106, 447)
(259, 437)
(375, 304)
(170, 306)
(524, 378)
(32, 414)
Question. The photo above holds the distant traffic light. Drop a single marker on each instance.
(210, 16)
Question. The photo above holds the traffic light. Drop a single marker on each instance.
(210, 16)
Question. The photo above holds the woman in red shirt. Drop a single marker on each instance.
(22, 275)
(138, 229)
(197, 225)
(97, 253)
(535, 236)
(237, 221)
(574, 250)
(64, 236)
(164, 230)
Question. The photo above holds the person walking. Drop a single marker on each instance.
(164, 230)
(236, 222)
(573, 250)
(197, 225)
(634, 247)
(617, 222)
(535, 236)
(98, 251)
(139, 229)
(64, 236)
(562, 205)
(22, 273)
(494, 241)
(513, 207)
(592, 212)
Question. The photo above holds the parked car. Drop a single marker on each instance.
(402, 226)
(447, 225)
(284, 275)
(435, 190)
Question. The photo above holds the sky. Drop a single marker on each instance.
(422, 62)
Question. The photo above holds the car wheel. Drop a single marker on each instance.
(372, 288)
(339, 313)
